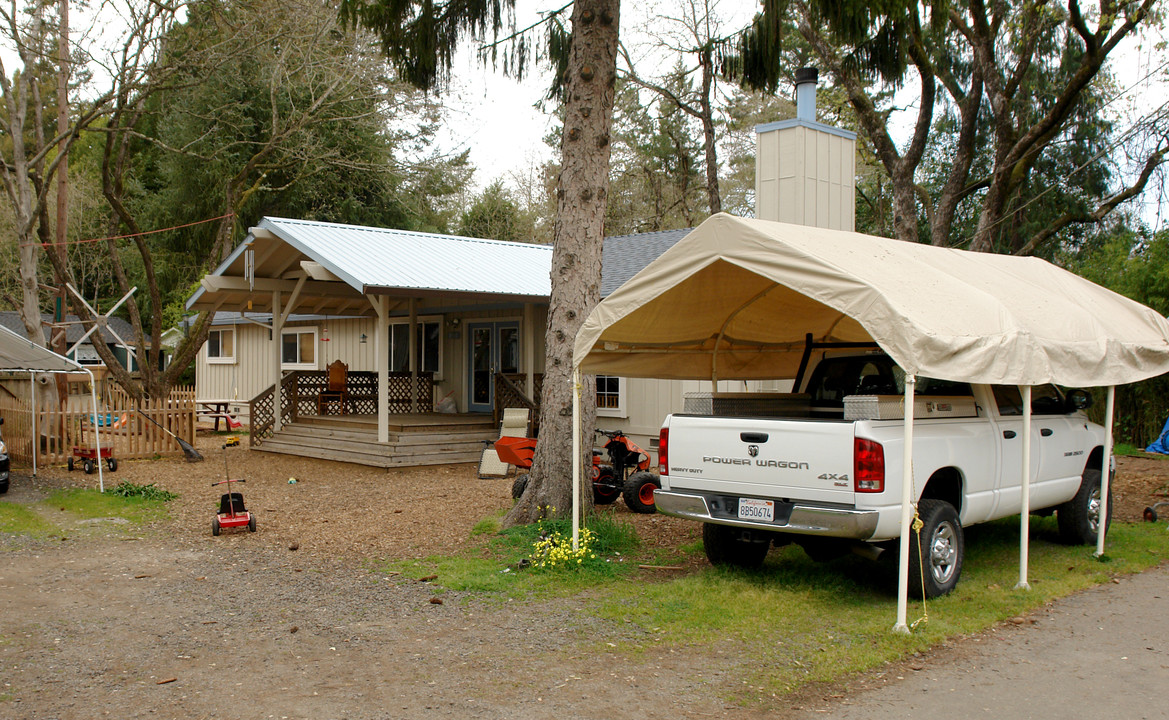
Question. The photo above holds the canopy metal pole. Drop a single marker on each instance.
(1025, 507)
(32, 402)
(576, 460)
(1105, 470)
(906, 509)
(101, 482)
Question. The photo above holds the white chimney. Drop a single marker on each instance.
(805, 171)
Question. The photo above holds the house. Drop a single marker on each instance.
(419, 318)
(85, 353)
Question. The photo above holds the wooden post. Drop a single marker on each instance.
(529, 337)
(277, 345)
(381, 355)
(413, 355)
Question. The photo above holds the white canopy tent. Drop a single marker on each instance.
(737, 299)
(19, 354)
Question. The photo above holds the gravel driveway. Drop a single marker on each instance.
(166, 621)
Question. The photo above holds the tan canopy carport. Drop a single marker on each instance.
(19, 354)
(739, 299)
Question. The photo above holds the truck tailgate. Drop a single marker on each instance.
(785, 459)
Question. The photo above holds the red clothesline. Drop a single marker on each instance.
(123, 237)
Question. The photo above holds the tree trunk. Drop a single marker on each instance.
(708, 140)
(576, 258)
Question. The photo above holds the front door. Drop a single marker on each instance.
(493, 347)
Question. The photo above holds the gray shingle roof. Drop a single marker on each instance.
(11, 320)
(625, 255)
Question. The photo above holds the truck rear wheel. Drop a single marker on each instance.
(1079, 518)
(936, 564)
(726, 545)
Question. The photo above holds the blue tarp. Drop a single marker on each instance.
(1161, 444)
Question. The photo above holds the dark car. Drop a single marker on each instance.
(3, 464)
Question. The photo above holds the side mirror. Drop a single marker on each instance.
(1080, 399)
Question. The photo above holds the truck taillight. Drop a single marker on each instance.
(868, 466)
(663, 444)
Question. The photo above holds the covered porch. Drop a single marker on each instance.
(482, 300)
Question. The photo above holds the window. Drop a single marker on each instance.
(298, 349)
(611, 396)
(1045, 400)
(221, 346)
(429, 346)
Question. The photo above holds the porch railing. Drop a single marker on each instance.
(299, 391)
(509, 393)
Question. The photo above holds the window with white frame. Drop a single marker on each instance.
(221, 346)
(611, 396)
(298, 348)
(429, 350)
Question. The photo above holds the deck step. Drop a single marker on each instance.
(350, 444)
(412, 457)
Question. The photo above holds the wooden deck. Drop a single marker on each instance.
(415, 439)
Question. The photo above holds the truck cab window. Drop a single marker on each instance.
(1045, 400)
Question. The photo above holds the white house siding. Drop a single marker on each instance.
(648, 401)
(251, 372)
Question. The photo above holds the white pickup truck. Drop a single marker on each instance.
(822, 467)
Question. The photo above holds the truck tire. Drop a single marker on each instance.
(725, 546)
(1079, 518)
(639, 492)
(605, 487)
(943, 547)
(3, 486)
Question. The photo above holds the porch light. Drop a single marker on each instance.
(363, 338)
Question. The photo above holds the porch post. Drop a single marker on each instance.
(413, 355)
(277, 326)
(382, 360)
(530, 350)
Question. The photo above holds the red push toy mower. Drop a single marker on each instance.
(232, 512)
(626, 474)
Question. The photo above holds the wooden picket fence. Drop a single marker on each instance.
(119, 421)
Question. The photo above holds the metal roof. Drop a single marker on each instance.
(345, 263)
(19, 353)
(369, 258)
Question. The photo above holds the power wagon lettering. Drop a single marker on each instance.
(784, 464)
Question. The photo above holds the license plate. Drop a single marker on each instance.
(751, 509)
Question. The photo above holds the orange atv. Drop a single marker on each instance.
(626, 474)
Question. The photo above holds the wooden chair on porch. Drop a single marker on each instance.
(336, 390)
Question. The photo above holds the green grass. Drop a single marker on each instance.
(1125, 449)
(128, 489)
(88, 504)
(503, 567)
(802, 622)
(797, 621)
(21, 520)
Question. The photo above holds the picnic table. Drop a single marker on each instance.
(218, 410)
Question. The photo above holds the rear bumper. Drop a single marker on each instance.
(802, 519)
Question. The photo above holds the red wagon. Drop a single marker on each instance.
(90, 457)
